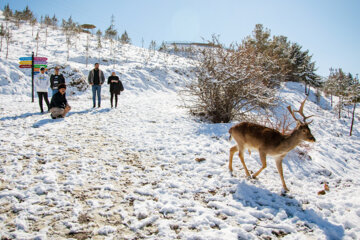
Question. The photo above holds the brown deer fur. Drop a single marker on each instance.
(268, 142)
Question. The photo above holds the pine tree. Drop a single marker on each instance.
(68, 28)
(18, 18)
(99, 45)
(47, 23)
(27, 14)
(163, 47)
(33, 22)
(54, 21)
(8, 13)
(2, 35)
(353, 97)
(125, 38)
(285, 60)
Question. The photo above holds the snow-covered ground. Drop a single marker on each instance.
(131, 172)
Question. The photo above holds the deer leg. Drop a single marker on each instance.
(241, 156)
(233, 150)
(263, 161)
(280, 170)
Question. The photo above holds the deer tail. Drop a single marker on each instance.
(230, 137)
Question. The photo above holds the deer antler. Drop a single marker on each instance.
(300, 111)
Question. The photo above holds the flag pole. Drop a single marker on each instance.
(32, 76)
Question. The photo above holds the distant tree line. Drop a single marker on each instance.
(70, 28)
(231, 81)
(346, 88)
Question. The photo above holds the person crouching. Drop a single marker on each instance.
(59, 106)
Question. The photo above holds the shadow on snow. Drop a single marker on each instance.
(260, 199)
(43, 122)
(24, 115)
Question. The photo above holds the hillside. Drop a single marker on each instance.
(131, 172)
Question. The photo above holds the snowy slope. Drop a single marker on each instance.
(139, 69)
(131, 173)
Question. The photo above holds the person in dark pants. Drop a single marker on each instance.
(96, 79)
(42, 85)
(115, 87)
(59, 106)
(56, 79)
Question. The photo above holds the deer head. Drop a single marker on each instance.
(302, 126)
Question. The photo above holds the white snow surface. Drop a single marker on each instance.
(131, 173)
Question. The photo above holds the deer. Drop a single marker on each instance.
(268, 141)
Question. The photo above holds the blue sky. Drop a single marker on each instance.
(329, 29)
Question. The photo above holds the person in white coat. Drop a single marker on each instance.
(42, 84)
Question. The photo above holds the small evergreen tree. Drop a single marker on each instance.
(54, 21)
(99, 45)
(8, 13)
(33, 22)
(18, 17)
(68, 28)
(47, 24)
(353, 97)
(2, 35)
(163, 47)
(27, 14)
(152, 46)
(125, 38)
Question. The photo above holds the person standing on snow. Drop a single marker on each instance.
(55, 80)
(115, 87)
(96, 79)
(59, 106)
(42, 85)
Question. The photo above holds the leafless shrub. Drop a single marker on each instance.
(230, 82)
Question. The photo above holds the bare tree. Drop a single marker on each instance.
(229, 83)
(68, 28)
(111, 34)
(37, 39)
(8, 37)
(86, 28)
(353, 97)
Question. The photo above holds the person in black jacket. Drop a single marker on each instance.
(55, 80)
(96, 78)
(115, 87)
(59, 106)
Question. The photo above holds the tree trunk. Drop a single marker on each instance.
(331, 102)
(352, 120)
(7, 49)
(340, 106)
(46, 35)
